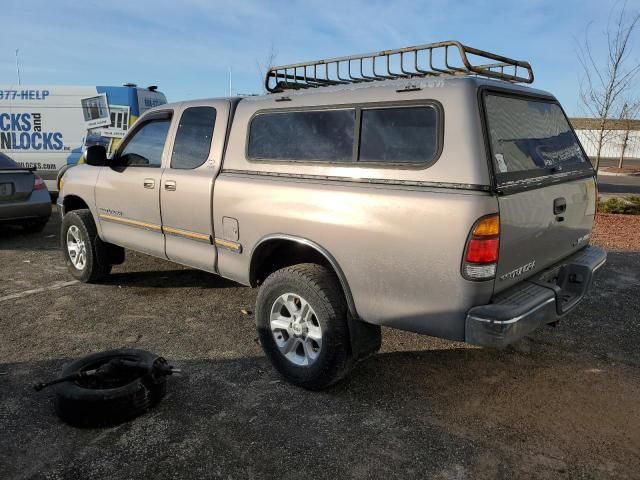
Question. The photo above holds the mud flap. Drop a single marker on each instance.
(366, 338)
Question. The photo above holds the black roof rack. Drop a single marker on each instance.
(427, 60)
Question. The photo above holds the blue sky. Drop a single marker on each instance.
(186, 47)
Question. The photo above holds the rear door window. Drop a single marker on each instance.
(399, 135)
(193, 138)
(531, 138)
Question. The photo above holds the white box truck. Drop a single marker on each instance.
(48, 127)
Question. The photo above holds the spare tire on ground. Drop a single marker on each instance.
(116, 393)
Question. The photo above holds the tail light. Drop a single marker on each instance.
(38, 183)
(481, 252)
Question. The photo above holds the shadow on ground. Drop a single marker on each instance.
(179, 278)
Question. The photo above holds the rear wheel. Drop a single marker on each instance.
(301, 315)
(86, 256)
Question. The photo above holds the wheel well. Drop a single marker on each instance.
(274, 254)
(71, 202)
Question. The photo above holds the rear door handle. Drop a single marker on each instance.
(559, 206)
(170, 185)
(149, 183)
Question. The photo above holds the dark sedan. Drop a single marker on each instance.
(24, 198)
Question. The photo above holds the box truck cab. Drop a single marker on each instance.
(48, 127)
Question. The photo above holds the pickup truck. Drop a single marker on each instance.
(456, 203)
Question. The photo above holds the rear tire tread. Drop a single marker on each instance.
(335, 361)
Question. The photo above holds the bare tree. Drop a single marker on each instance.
(264, 66)
(628, 115)
(606, 81)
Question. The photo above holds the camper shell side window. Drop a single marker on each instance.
(384, 134)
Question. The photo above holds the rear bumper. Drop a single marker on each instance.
(37, 206)
(537, 301)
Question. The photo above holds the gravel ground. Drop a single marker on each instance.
(560, 404)
(617, 232)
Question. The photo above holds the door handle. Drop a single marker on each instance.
(559, 206)
(170, 185)
(149, 183)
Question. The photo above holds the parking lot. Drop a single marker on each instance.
(560, 404)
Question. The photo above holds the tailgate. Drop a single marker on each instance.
(15, 184)
(536, 231)
(547, 191)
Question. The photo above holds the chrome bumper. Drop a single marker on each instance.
(537, 301)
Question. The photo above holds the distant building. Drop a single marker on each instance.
(587, 130)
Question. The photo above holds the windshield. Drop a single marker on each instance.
(532, 137)
(6, 162)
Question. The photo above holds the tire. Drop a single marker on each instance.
(96, 266)
(320, 289)
(80, 405)
(35, 226)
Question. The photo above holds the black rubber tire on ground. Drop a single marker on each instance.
(90, 407)
(97, 265)
(320, 287)
(35, 226)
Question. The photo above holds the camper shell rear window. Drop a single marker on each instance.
(530, 138)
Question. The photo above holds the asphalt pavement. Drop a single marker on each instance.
(613, 185)
(562, 403)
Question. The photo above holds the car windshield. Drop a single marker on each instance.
(530, 135)
(6, 162)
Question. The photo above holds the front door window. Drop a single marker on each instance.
(145, 148)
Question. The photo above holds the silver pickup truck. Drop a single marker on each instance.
(374, 190)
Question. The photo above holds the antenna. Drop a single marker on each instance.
(229, 81)
(18, 67)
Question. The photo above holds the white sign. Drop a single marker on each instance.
(109, 132)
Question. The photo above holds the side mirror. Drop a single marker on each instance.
(96, 155)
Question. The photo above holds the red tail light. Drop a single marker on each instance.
(481, 251)
(38, 183)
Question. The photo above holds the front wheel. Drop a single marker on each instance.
(301, 315)
(84, 253)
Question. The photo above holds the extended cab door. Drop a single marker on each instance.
(546, 185)
(188, 181)
(128, 190)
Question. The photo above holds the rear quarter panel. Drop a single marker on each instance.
(400, 248)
